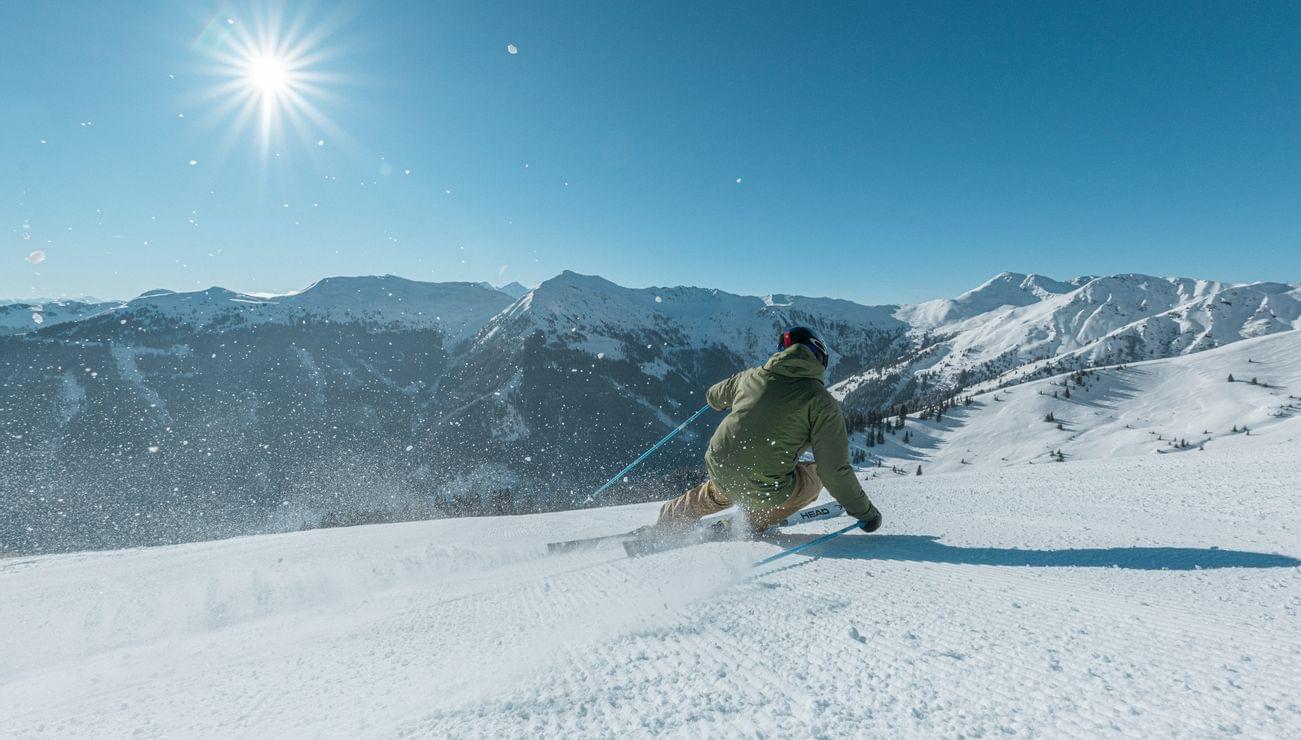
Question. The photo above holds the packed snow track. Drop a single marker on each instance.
(1144, 596)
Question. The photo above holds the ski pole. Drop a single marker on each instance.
(807, 545)
(645, 455)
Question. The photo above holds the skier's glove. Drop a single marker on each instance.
(872, 521)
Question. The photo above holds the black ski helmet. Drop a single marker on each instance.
(805, 336)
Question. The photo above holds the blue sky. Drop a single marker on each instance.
(886, 152)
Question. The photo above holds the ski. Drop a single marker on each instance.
(709, 524)
(589, 543)
(657, 540)
(814, 513)
(649, 541)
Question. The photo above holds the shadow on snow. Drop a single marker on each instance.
(928, 549)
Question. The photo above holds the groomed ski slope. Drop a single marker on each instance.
(1142, 596)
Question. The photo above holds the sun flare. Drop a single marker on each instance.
(269, 75)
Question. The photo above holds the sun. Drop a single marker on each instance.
(270, 75)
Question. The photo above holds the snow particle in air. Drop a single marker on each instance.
(38, 318)
(659, 299)
(153, 449)
(410, 448)
(193, 162)
(738, 181)
(36, 257)
(512, 49)
(320, 142)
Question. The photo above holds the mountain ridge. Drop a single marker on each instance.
(176, 416)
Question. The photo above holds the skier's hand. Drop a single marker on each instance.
(871, 522)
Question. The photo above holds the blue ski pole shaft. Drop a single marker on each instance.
(811, 543)
(642, 457)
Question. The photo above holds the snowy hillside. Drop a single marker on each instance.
(1180, 405)
(1151, 596)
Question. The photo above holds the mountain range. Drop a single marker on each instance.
(180, 416)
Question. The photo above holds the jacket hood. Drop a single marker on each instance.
(796, 361)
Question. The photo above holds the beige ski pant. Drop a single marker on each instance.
(706, 499)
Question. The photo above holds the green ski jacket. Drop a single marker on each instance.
(777, 412)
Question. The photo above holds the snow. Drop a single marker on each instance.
(1089, 598)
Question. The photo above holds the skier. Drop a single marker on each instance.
(776, 413)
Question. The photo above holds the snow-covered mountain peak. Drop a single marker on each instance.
(1014, 286)
(513, 289)
(570, 280)
(1006, 289)
(1271, 288)
(1011, 289)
